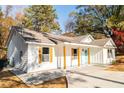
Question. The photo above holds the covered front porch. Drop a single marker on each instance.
(76, 55)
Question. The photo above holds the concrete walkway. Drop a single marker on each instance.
(94, 77)
(37, 77)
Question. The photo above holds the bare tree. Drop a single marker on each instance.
(69, 26)
(8, 10)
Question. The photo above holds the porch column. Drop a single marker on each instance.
(88, 55)
(64, 54)
(79, 56)
(72, 54)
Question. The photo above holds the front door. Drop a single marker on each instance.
(84, 56)
(74, 57)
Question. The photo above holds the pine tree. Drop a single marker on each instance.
(98, 18)
(41, 18)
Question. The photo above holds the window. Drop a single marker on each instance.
(75, 53)
(110, 54)
(21, 54)
(86, 52)
(45, 54)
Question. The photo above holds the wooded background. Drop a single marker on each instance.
(100, 21)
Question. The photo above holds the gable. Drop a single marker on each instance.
(87, 39)
(110, 43)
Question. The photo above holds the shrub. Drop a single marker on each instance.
(114, 62)
(3, 63)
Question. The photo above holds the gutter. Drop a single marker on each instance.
(86, 45)
(39, 43)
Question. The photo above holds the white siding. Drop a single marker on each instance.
(96, 56)
(15, 46)
(106, 59)
(34, 65)
(60, 56)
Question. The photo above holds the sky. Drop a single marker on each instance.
(61, 10)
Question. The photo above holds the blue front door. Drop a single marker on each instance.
(84, 56)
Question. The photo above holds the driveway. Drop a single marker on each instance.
(94, 77)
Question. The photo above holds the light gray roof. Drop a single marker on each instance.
(61, 38)
(32, 36)
(100, 42)
(80, 39)
(58, 38)
(38, 37)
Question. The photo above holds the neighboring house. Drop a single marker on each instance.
(34, 51)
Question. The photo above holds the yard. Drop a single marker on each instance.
(119, 65)
(93, 73)
(116, 67)
(9, 80)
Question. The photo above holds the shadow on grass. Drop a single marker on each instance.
(5, 74)
(14, 84)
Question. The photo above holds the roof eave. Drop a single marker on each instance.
(86, 45)
(36, 43)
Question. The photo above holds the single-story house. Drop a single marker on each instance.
(35, 51)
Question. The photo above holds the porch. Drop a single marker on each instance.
(76, 55)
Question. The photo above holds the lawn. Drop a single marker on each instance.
(119, 65)
(9, 80)
(116, 67)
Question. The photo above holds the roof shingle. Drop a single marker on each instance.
(33, 36)
(38, 37)
(100, 42)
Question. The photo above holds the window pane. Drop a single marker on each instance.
(45, 50)
(75, 53)
(45, 56)
(86, 52)
(21, 54)
(110, 54)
